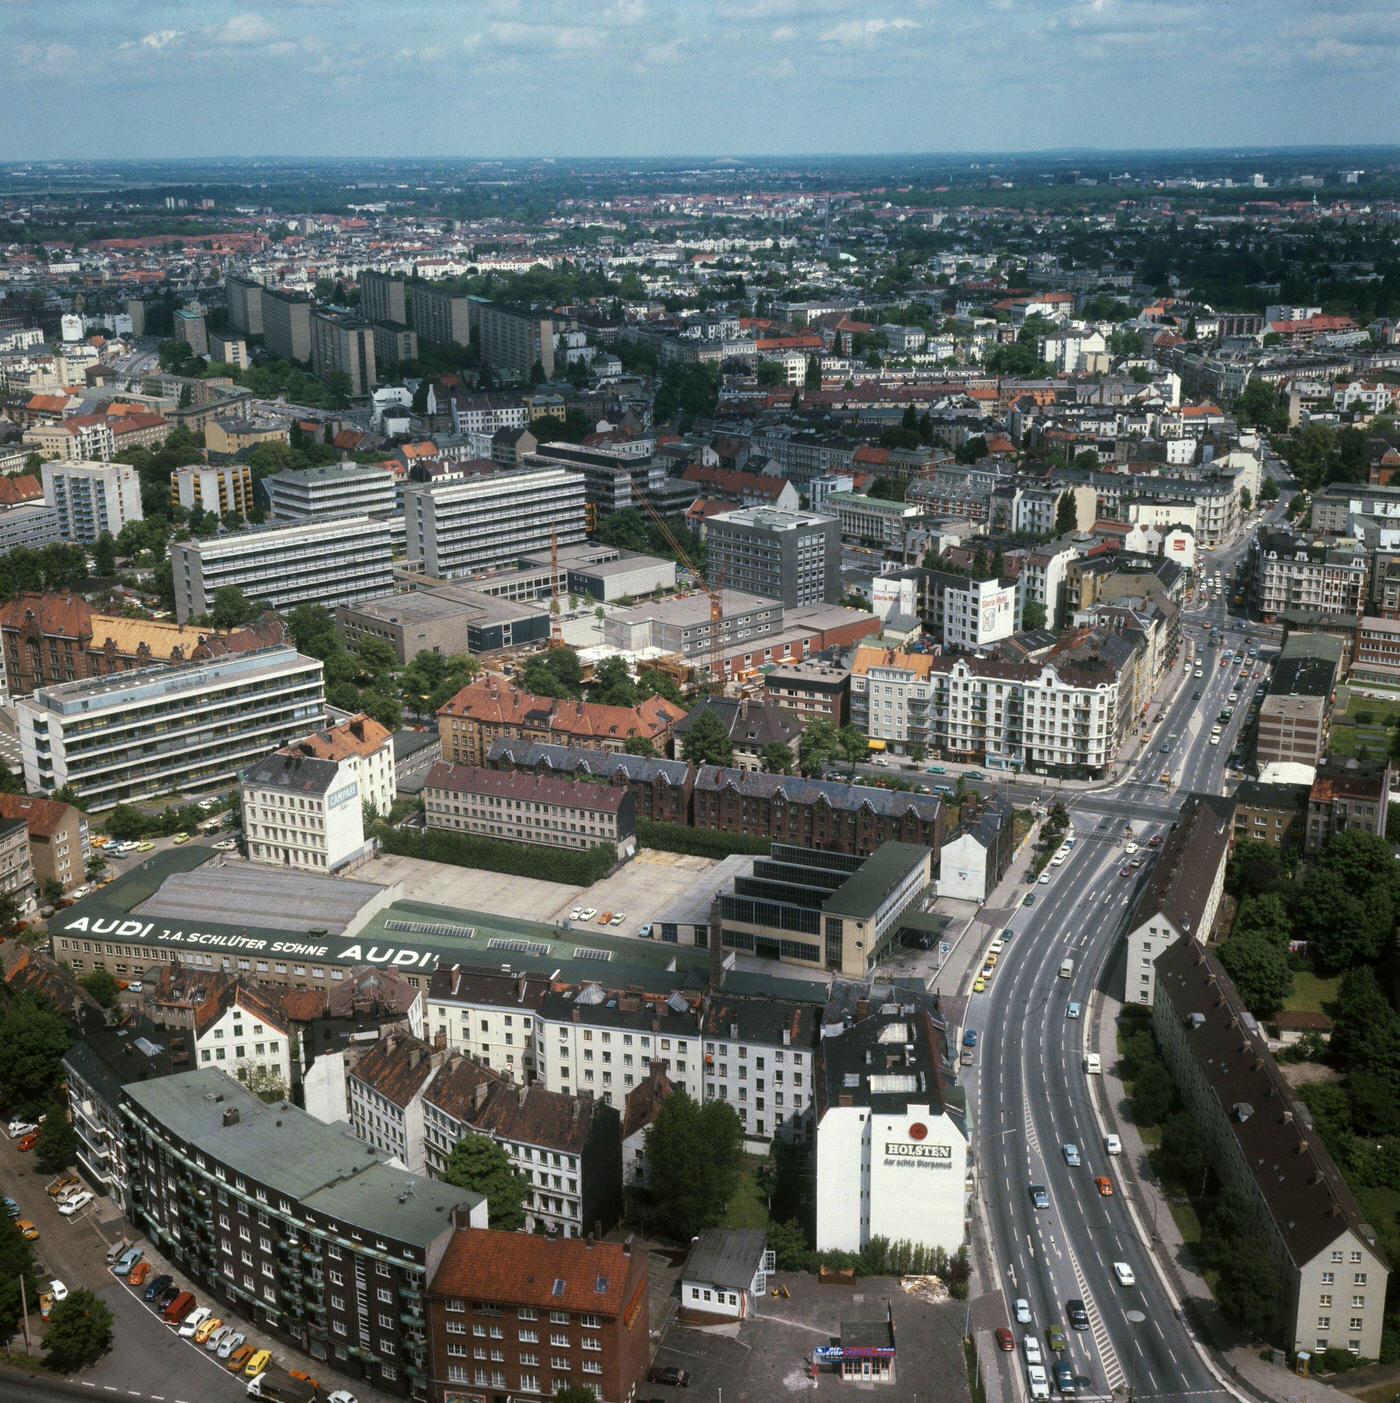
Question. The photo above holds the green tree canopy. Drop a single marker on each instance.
(613, 684)
(707, 741)
(1259, 967)
(554, 673)
(694, 1154)
(1033, 615)
(231, 608)
(102, 985)
(58, 1141)
(16, 1262)
(777, 759)
(33, 1040)
(79, 1333)
(478, 1163)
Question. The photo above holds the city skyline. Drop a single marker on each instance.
(657, 77)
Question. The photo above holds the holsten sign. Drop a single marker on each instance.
(349, 952)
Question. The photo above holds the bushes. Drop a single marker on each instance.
(574, 867)
(880, 1257)
(697, 842)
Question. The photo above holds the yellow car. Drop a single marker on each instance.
(201, 1335)
(979, 986)
(180, 838)
(145, 847)
(257, 1363)
(31, 1233)
(99, 840)
(992, 959)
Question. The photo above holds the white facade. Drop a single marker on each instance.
(896, 1175)
(360, 489)
(91, 498)
(769, 1086)
(244, 1044)
(962, 868)
(981, 613)
(289, 824)
(609, 1062)
(500, 1033)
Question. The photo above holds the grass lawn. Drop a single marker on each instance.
(1381, 1206)
(1311, 991)
(748, 1208)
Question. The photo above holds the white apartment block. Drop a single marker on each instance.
(239, 1032)
(189, 728)
(339, 489)
(328, 563)
(1291, 573)
(219, 490)
(490, 1016)
(91, 498)
(872, 521)
(979, 613)
(473, 525)
(303, 814)
(484, 414)
(364, 750)
(1042, 581)
(88, 438)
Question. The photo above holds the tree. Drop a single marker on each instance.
(789, 1245)
(79, 1333)
(613, 684)
(652, 682)
(1033, 615)
(1181, 1156)
(770, 373)
(554, 673)
(104, 555)
(776, 759)
(1260, 405)
(1246, 500)
(1365, 1029)
(1254, 868)
(313, 631)
(16, 1263)
(1359, 858)
(102, 985)
(231, 608)
(383, 705)
(1265, 916)
(694, 1154)
(1247, 1290)
(33, 1040)
(624, 530)
(376, 656)
(812, 377)
(707, 740)
(1066, 515)
(1260, 970)
(1334, 921)
(1154, 1094)
(58, 1141)
(478, 1163)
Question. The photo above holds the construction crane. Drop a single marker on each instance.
(556, 626)
(714, 591)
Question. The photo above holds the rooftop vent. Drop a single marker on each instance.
(1242, 1111)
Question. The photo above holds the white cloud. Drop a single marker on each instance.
(854, 33)
(156, 39)
(244, 31)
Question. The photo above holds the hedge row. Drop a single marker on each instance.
(697, 842)
(579, 868)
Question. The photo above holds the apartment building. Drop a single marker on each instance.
(16, 864)
(221, 490)
(338, 489)
(497, 1297)
(190, 328)
(440, 318)
(1271, 812)
(511, 341)
(382, 297)
(603, 1042)
(245, 304)
(1263, 1144)
(972, 861)
(873, 521)
(287, 323)
(1295, 716)
(1346, 794)
(302, 813)
(306, 1231)
(1376, 661)
(760, 1056)
(85, 438)
(92, 498)
(471, 526)
(229, 348)
(187, 728)
(529, 808)
(811, 688)
(57, 835)
(339, 561)
(486, 414)
(488, 1015)
(394, 343)
(794, 557)
(491, 709)
(240, 1030)
(1181, 896)
(1292, 573)
(978, 613)
(823, 909)
(344, 344)
(364, 751)
(660, 789)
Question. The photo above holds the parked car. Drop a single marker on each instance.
(11, 1207)
(230, 1342)
(206, 1328)
(970, 1038)
(27, 1142)
(123, 1265)
(62, 1185)
(258, 1363)
(618, 918)
(76, 1204)
(18, 1129)
(668, 1374)
(216, 1337)
(587, 913)
(239, 1358)
(157, 1287)
(180, 838)
(1004, 1338)
(193, 1321)
(31, 1233)
(140, 1273)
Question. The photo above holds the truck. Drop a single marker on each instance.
(276, 1385)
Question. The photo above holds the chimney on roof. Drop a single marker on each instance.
(230, 1116)
(479, 1093)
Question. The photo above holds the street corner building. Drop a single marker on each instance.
(893, 1140)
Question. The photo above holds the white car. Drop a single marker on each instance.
(1039, 1384)
(1215, 740)
(586, 913)
(997, 945)
(1112, 1144)
(218, 1337)
(1130, 847)
(58, 1291)
(76, 1204)
(193, 1321)
(1044, 879)
(1124, 1273)
(226, 845)
(18, 1129)
(341, 1395)
(135, 987)
(1031, 1345)
(618, 918)
(1023, 1311)
(576, 914)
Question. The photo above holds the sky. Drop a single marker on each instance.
(171, 78)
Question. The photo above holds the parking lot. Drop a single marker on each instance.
(767, 1357)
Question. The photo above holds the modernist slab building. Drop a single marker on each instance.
(338, 489)
(337, 561)
(791, 556)
(440, 318)
(189, 728)
(91, 498)
(287, 323)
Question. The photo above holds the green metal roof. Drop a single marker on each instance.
(861, 894)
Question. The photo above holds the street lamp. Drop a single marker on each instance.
(1134, 1318)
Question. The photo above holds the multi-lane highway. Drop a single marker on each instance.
(1030, 1092)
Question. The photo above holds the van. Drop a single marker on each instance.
(179, 1308)
(1066, 969)
(1092, 1063)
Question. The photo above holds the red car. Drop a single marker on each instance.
(28, 1142)
(1005, 1339)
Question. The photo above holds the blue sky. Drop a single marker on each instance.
(130, 78)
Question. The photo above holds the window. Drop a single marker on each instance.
(1324, 1322)
(1358, 1303)
(1357, 1322)
(559, 1341)
(529, 1337)
(1359, 1279)
(1327, 1278)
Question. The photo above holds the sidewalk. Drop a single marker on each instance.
(1240, 1364)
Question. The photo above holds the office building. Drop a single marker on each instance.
(306, 1231)
(338, 489)
(892, 1134)
(1296, 713)
(92, 498)
(525, 808)
(474, 525)
(1377, 657)
(393, 343)
(343, 344)
(978, 613)
(188, 728)
(448, 620)
(29, 526)
(1262, 1144)
(226, 435)
(440, 318)
(823, 909)
(338, 561)
(57, 834)
(794, 557)
(588, 1298)
(812, 689)
(190, 328)
(245, 304)
(382, 297)
(222, 491)
(511, 342)
(873, 521)
(1181, 896)
(287, 323)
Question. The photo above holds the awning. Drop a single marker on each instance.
(876, 744)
